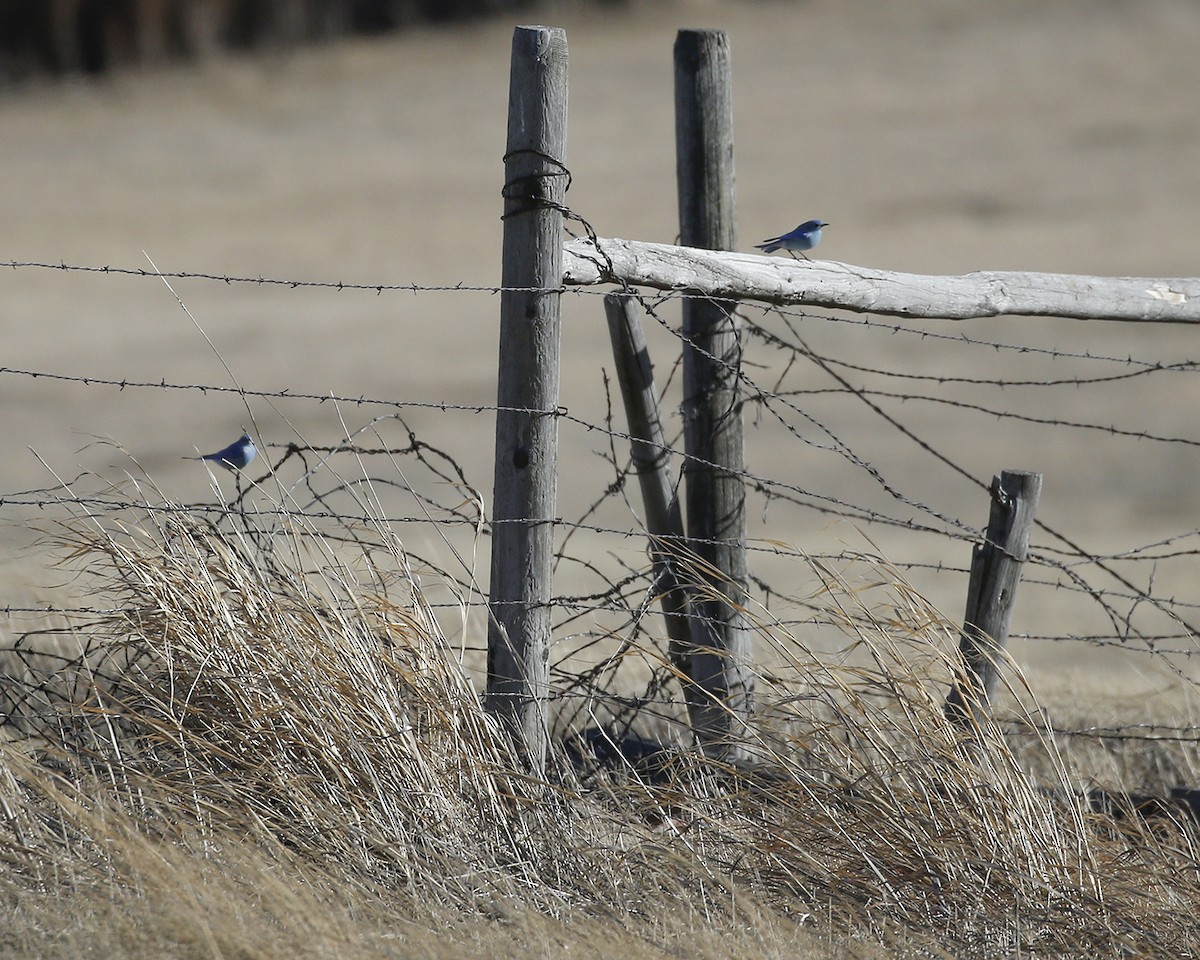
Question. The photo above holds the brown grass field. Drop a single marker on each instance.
(266, 741)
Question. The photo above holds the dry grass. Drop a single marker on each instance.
(261, 757)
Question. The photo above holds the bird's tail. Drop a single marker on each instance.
(769, 246)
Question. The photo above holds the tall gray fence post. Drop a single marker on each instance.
(991, 594)
(716, 493)
(525, 492)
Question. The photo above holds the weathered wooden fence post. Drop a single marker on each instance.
(991, 593)
(716, 494)
(664, 520)
(525, 492)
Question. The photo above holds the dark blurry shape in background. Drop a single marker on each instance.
(62, 37)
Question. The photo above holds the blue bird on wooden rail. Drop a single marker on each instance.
(804, 237)
(233, 457)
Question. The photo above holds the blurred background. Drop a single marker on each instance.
(61, 37)
(361, 142)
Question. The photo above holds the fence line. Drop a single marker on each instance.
(772, 487)
(261, 281)
(610, 600)
(759, 395)
(649, 302)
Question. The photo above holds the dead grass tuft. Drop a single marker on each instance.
(275, 760)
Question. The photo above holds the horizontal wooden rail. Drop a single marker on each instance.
(827, 283)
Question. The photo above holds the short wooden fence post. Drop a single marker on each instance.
(991, 594)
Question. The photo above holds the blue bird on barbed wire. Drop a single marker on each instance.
(804, 237)
(233, 457)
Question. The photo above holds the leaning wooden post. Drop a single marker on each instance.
(524, 497)
(664, 521)
(991, 593)
(712, 403)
